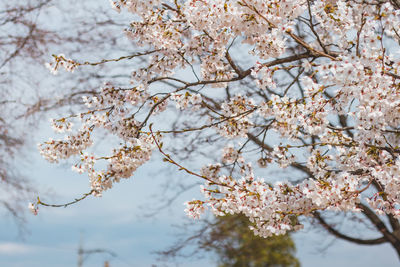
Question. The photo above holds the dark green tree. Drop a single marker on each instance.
(235, 245)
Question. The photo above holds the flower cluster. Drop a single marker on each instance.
(274, 208)
(184, 100)
(54, 150)
(61, 126)
(60, 61)
(33, 208)
(236, 115)
(230, 154)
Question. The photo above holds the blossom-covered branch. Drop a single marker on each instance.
(311, 85)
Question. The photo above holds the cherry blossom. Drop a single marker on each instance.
(314, 86)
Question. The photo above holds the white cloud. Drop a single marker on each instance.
(15, 248)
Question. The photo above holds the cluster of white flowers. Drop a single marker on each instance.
(266, 76)
(62, 125)
(61, 61)
(108, 110)
(184, 100)
(230, 154)
(33, 208)
(340, 106)
(236, 117)
(274, 209)
(137, 95)
(54, 150)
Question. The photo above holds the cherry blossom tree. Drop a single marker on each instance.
(300, 98)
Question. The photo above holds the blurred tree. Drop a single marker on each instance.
(236, 245)
(23, 42)
(30, 31)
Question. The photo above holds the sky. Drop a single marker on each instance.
(116, 222)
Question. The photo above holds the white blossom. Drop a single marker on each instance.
(329, 98)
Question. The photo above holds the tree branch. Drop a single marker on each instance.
(337, 234)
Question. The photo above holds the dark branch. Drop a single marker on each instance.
(337, 234)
